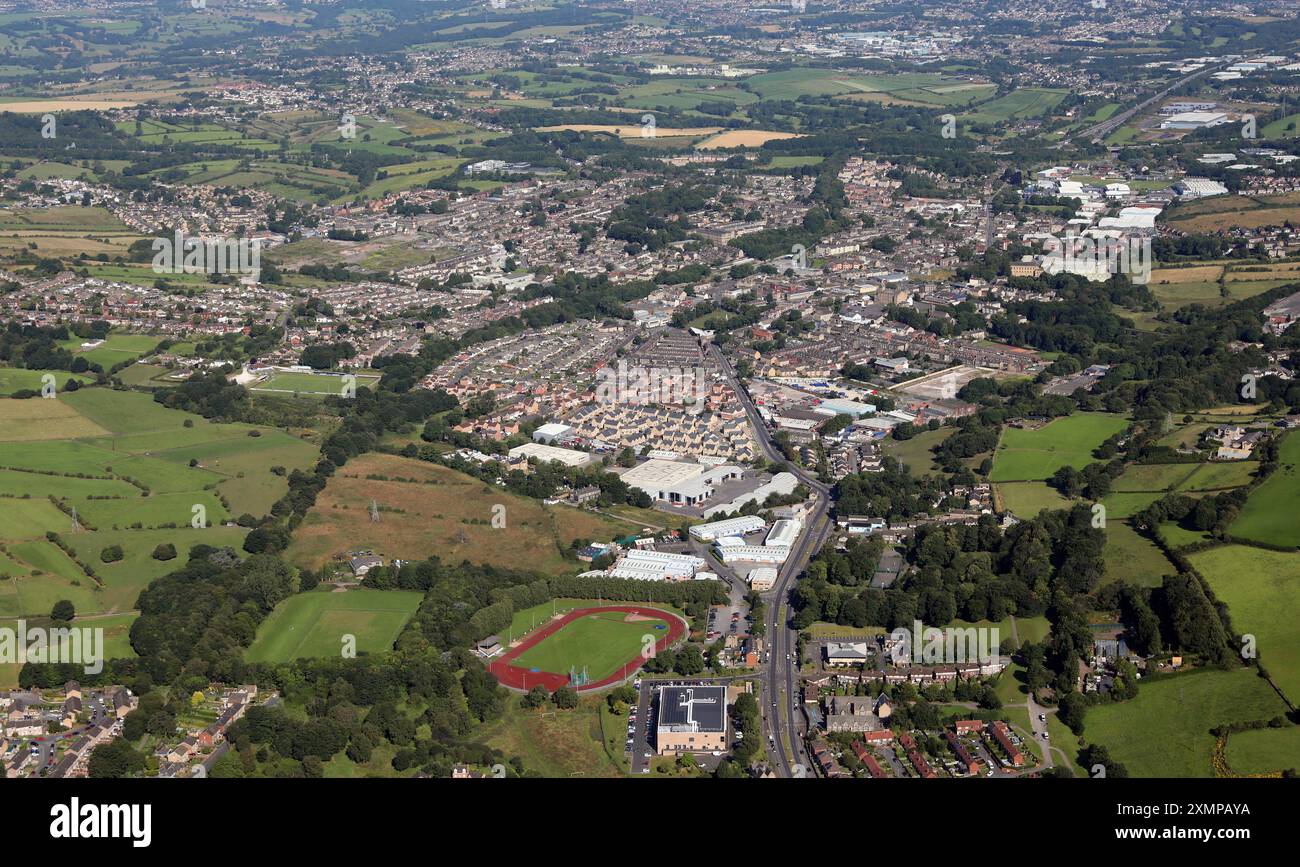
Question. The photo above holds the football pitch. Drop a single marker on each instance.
(311, 383)
(601, 642)
(314, 624)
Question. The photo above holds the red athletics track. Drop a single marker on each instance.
(521, 678)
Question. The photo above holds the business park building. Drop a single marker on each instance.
(691, 719)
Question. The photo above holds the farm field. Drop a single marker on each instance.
(117, 644)
(1176, 536)
(427, 510)
(1036, 454)
(915, 452)
(743, 138)
(601, 642)
(1126, 505)
(1264, 751)
(633, 130)
(123, 462)
(1024, 102)
(1158, 734)
(41, 419)
(1269, 515)
(924, 88)
(1243, 212)
(18, 378)
(311, 625)
(1220, 476)
(1133, 558)
(1027, 499)
(1154, 477)
(1262, 591)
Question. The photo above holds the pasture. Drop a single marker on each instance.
(427, 509)
(1165, 731)
(17, 378)
(1025, 454)
(1269, 515)
(1133, 558)
(133, 470)
(1262, 591)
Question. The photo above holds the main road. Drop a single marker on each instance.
(780, 704)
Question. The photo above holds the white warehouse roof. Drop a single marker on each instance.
(728, 527)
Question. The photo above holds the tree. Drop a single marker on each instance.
(565, 698)
(111, 554)
(536, 697)
(114, 760)
(63, 611)
(165, 551)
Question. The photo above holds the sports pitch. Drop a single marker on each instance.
(311, 383)
(600, 642)
(314, 624)
(606, 641)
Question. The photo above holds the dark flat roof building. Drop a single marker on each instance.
(692, 719)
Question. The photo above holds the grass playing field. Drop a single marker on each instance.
(1165, 731)
(314, 624)
(1270, 514)
(602, 643)
(1065, 442)
(1262, 591)
(311, 383)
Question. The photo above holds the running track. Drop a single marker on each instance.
(521, 678)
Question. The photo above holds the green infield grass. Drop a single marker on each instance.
(601, 642)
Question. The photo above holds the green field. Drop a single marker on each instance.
(1027, 499)
(1069, 441)
(115, 349)
(16, 378)
(1264, 751)
(321, 384)
(915, 452)
(134, 471)
(314, 624)
(1262, 591)
(1270, 515)
(1133, 558)
(1165, 731)
(1024, 102)
(602, 642)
